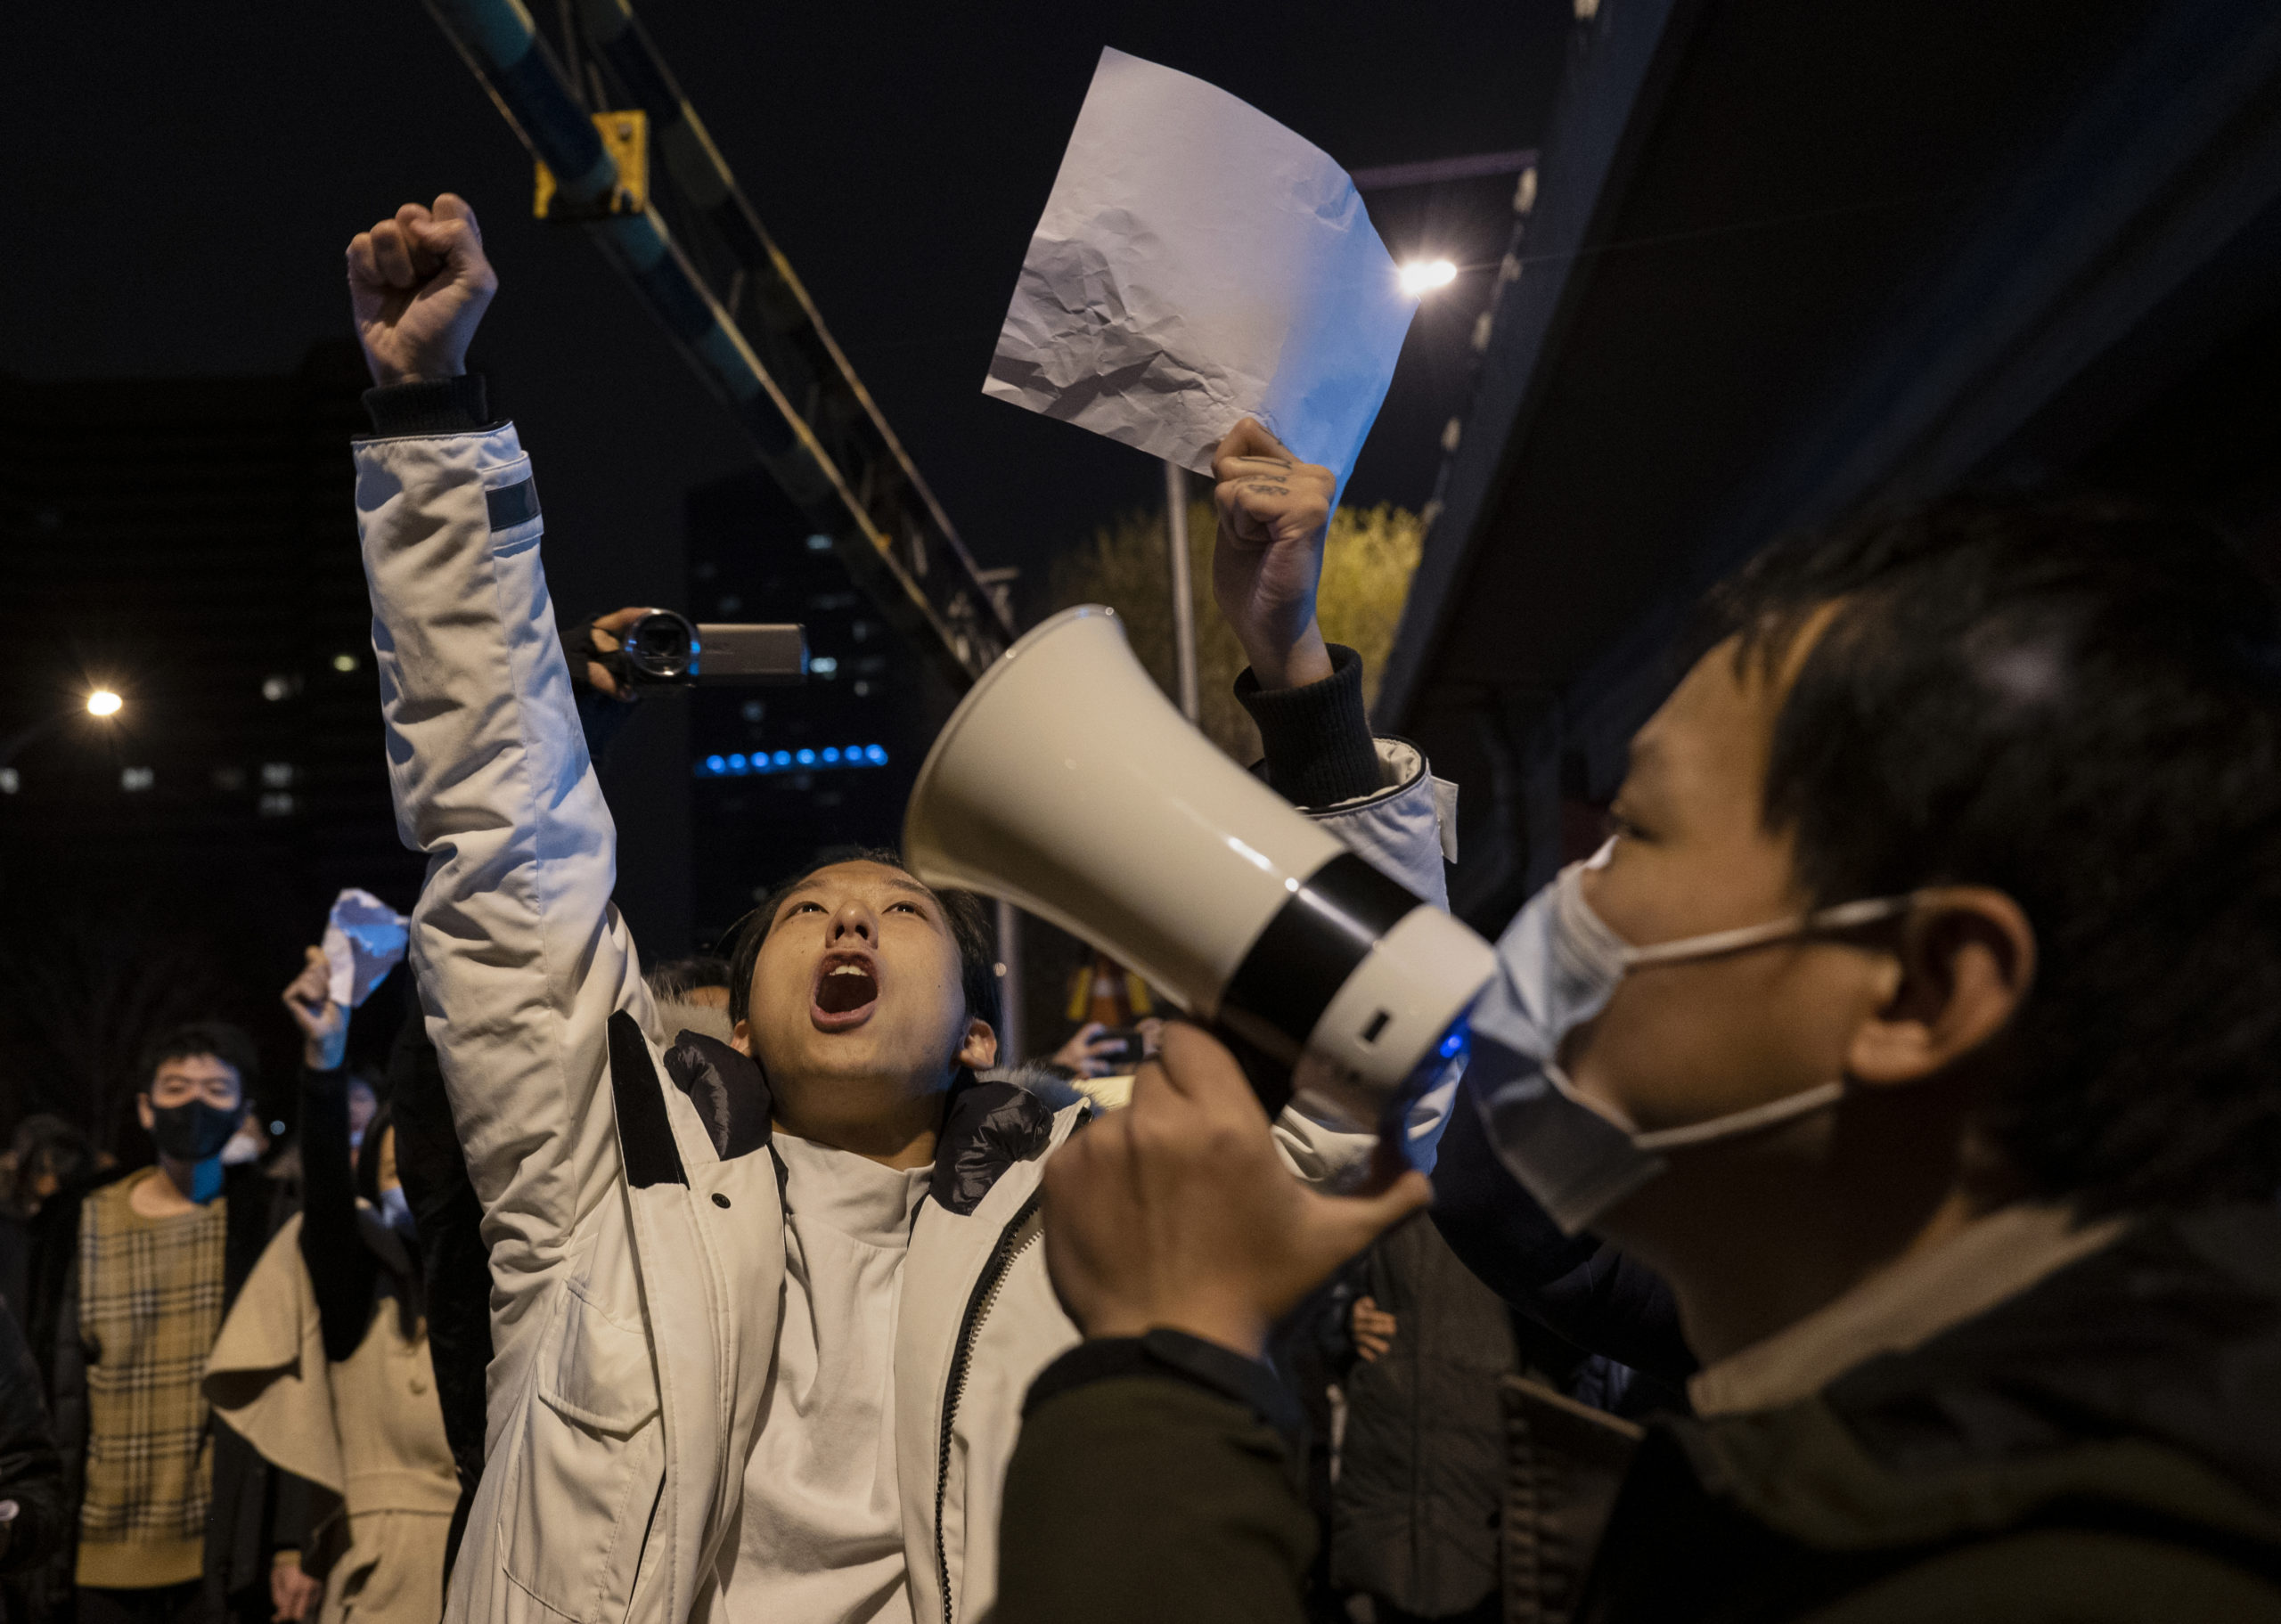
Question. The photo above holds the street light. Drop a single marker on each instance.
(1424, 275)
(103, 703)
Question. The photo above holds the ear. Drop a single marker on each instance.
(979, 1052)
(741, 1040)
(1965, 963)
(143, 1112)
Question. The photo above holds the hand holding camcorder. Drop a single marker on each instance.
(632, 650)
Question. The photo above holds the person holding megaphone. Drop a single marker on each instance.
(765, 1312)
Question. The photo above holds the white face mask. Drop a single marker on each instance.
(1559, 964)
(241, 1148)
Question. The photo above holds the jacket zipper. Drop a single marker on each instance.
(1022, 1232)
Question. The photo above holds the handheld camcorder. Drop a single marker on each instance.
(1066, 784)
(662, 649)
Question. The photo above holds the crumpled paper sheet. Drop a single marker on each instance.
(1197, 263)
(364, 939)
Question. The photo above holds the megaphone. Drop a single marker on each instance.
(1066, 784)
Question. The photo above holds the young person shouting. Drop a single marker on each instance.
(764, 1312)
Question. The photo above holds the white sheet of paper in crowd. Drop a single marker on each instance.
(364, 939)
(1198, 262)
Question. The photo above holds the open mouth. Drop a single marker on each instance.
(847, 990)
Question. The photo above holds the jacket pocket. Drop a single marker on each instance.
(589, 1458)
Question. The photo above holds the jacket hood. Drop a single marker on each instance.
(2147, 1374)
(989, 1123)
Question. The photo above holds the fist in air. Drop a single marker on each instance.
(419, 284)
(324, 1024)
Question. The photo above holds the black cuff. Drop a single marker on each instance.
(433, 405)
(1318, 747)
(1175, 1356)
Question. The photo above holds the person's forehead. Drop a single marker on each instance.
(197, 1068)
(1716, 732)
(858, 875)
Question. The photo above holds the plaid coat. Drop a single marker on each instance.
(252, 1509)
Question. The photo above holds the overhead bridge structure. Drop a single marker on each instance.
(694, 249)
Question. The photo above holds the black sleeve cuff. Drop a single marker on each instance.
(1318, 747)
(433, 405)
(1173, 1356)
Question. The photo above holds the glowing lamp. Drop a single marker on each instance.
(1425, 275)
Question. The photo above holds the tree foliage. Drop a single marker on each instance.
(1368, 561)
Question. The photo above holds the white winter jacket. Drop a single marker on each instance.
(635, 1228)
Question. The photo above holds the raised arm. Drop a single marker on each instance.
(521, 956)
(342, 1268)
(1306, 694)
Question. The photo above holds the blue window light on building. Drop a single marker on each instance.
(760, 760)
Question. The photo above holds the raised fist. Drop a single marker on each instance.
(324, 1024)
(419, 284)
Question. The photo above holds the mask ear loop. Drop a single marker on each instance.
(1737, 1123)
(1845, 916)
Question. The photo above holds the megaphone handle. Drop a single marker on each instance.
(1269, 1077)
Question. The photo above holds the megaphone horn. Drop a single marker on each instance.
(1066, 784)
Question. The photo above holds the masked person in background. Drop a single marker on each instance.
(1920, 1027)
(764, 1310)
(323, 1365)
(179, 1517)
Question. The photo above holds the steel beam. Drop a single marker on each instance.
(749, 330)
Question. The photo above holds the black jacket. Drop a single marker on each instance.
(454, 1265)
(2106, 1445)
(1421, 1466)
(32, 1471)
(1583, 1290)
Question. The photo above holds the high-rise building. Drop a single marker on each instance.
(190, 545)
(784, 773)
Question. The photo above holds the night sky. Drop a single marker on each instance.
(188, 176)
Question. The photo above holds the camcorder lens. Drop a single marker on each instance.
(660, 647)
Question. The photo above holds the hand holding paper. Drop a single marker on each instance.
(1198, 263)
(1267, 559)
(323, 1020)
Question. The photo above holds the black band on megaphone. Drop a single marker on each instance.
(1294, 970)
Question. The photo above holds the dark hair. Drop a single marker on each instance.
(2077, 702)
(46, 1143)
(967, 914)
(680, 977)
(219, 1039)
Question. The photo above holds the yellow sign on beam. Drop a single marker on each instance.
(626, 136)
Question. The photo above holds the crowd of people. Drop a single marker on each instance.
(1859, 1202)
